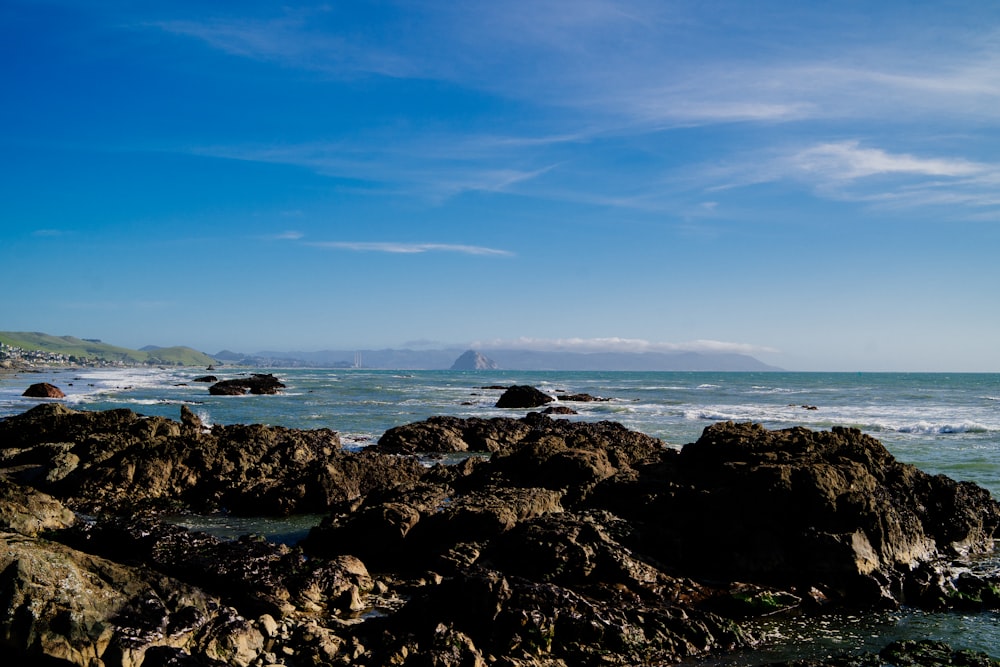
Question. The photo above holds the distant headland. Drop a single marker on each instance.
(34, 348)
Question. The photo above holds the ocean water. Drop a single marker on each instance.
(942, 423)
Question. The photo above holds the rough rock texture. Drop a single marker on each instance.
(66, 605)
(43, 390)
(29, 512)
(832, 510)
(523, 396)
(119, 461)
(573, 544)
(258, 383)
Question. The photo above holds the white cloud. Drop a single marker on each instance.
(847, 160)
(409, 248)
(616, 344)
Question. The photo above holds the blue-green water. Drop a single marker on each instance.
(942, 423)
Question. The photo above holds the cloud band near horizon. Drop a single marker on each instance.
(617, 344)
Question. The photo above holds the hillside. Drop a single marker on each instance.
(79, 350)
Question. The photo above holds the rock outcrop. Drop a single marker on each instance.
(830, 510)
(43, 390)
(257, 383)
(574, 543)
(121, 462)
(472, 360)
(523, 396)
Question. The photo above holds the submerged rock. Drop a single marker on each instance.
(908, 653)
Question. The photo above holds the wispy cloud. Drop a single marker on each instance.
(848, 160)
(628, 61)
(435, 167)
(853, 171)
(289, 235)
(615, 344)
(609, 72)
(295, 38)
(409, 248)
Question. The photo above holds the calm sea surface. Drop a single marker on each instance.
(942, 423)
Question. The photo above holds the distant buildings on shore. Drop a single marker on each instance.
(12, 356)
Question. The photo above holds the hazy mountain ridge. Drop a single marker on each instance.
(505, 359)
(387, 358)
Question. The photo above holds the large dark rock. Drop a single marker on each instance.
(258, 383)
(43, 390)
(523, 396)
(831, 510)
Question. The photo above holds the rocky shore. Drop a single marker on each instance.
(571, 544)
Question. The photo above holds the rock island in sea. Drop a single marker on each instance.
(572, 544)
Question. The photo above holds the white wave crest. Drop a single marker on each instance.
(940, 429)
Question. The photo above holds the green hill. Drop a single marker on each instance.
(96, 350)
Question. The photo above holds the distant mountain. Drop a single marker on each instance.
(508, 359)
(76, 350)
(474, 361)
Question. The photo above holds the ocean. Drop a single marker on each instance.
(942, 423)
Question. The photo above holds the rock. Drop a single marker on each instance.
(831, 510)
(258, 383)
(120, 462)
(206, 378)
(43, 390)
(574, 543)
(559, 410)
(453, 434)
(29, 512)
(249, 573)
(523, 396)
(473, 361)
(191, 424)
(582, 398)
(64, 605)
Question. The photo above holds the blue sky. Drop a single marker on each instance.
(815, 184)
